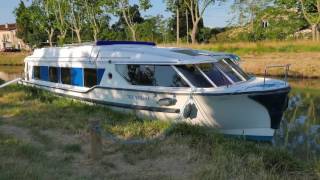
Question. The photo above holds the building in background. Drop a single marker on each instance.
(8, 38)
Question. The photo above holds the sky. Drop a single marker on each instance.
(215, 16)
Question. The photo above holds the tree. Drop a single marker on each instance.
(28, 20)
(123, 8)
(45, 20)
(60, 10)
(96, 16)
(247, 10)
(175, 6)
(311, 12)
(197, 9)
(75, 17)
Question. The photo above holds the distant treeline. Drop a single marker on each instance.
(52, 22)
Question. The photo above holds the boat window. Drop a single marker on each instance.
(137, 74)
(53, 74)
(226, 68)
(237, 68)
(194, 76)
(90, 77)
(36, 72)
(44, 73)
(216, 76)
(66, 75)
(151, 75)
(77, 76)
(166, 76)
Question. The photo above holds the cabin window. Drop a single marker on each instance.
(44, 73)
(36, 72)
(194, 76)
(211, 70)
(137, 74)
(90, 77)
(237, 68)
(53, 74)
(66, 75)
(228, 71)
(77, 76)
(166, 76)
(151, 75)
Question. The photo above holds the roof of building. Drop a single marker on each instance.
(124, 53)
(8, 27)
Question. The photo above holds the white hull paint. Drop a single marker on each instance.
(235, 115)
(226, 107)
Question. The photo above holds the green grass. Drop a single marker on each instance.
(58, 146)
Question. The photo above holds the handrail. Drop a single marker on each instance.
(286, 68)
(10, 82)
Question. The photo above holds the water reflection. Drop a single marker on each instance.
(300, 128)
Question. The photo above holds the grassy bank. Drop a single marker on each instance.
(263, 47)
(46, 137)
(12, 59)
(304, 56)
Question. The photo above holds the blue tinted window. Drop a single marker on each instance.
(44, 73)
(100, 73)
(77, 76)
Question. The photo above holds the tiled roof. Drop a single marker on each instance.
(9, 27)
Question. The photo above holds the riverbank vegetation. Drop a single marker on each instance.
(12, 58)
(67, 21)
(303, 56)
(43, 136)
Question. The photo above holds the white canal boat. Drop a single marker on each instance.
(193, 86)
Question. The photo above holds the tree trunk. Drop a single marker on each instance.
(77, 31)
(50, 35)
(178, 26)
(133, 33)
(95, 34)
(194, 31)
(314, 31)
(318, 33)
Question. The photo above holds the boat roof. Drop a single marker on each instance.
(127, 52)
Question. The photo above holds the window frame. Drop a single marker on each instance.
(154, 86)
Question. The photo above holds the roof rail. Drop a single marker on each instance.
(78, 44)
(102, 43)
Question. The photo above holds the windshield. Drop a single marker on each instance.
(222, 73)
(192, 73)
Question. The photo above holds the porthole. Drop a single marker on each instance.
(110, 75)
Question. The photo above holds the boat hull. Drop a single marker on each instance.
(236, 114)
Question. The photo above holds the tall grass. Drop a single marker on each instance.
(10, 58)
(244, 48)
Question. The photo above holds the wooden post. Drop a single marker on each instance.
(96, 141)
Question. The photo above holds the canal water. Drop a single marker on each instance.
(300, 128)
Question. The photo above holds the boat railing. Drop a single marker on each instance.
(285, 67)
